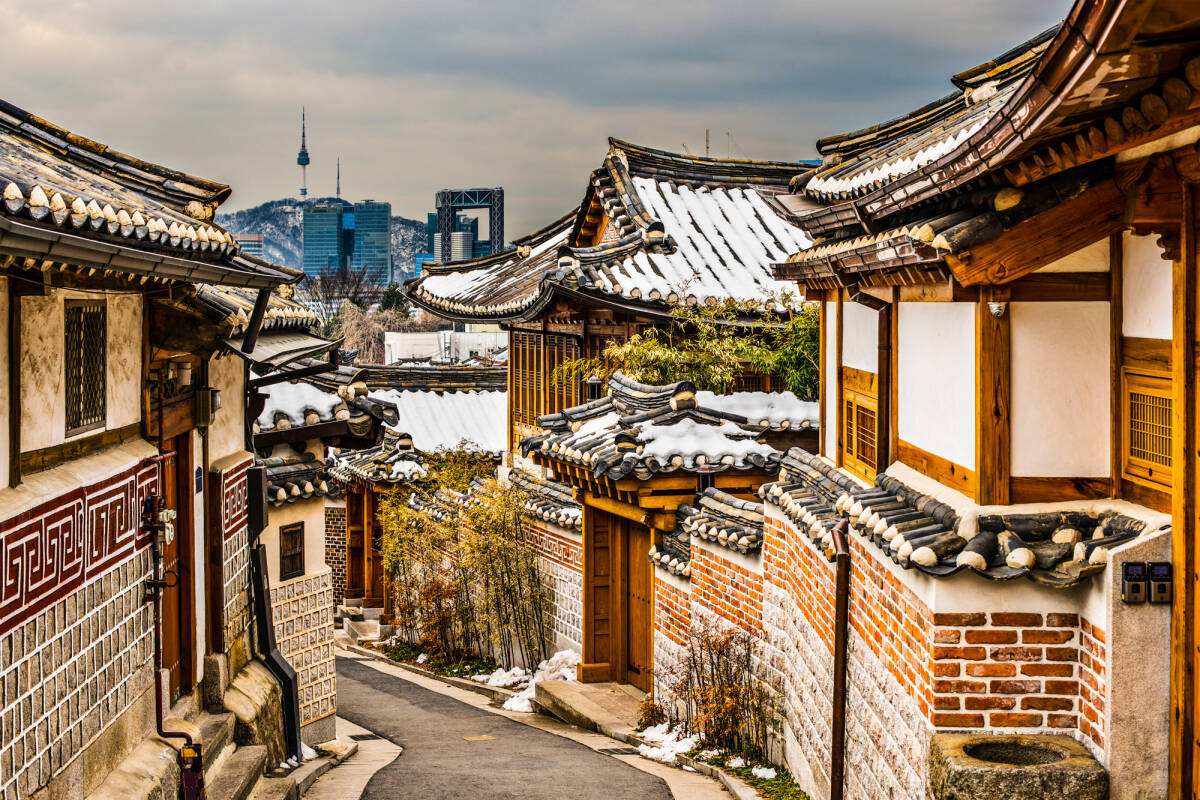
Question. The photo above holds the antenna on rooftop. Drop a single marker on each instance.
(302, 158)
(685, 149)
(339, 177)
(706, 143)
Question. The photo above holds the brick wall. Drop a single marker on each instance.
(672, 621)
(76, 640)
(303, 610)
(335, 550)
(729, 589)
(1093, 684)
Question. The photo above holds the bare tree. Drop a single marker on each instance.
(335, 285)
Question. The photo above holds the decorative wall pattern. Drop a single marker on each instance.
(335, 550)
(303, 610)
(235, 551)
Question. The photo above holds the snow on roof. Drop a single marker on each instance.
(294, 401)
(445, 420)
(765, 409)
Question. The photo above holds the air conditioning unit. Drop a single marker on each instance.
(208, 402)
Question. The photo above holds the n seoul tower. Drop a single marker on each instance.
(302, 158)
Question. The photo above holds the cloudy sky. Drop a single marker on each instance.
(417, 96)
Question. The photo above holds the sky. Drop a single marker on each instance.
(420, 96)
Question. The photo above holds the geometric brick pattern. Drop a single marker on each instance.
(303, 611)
(335, 550)
(235, 551)
(561, 565)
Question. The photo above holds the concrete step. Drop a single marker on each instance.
(275, 789)
(608, 708)
(361, 631)
(237, 774)
(216, 733)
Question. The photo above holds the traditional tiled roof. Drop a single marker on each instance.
(426, 377)
(301, 404)
(392, 461)
(548, 500)
(232, 306)
(475, 421)
(296, 477)
(675, 555)
(640, 430)
(724, 519)
(679, 229)
(1057, 545)
(1110, 78)
(445, 505)
(65, 198)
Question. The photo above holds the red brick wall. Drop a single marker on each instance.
(335, 550)
(726, 588)
(672, 611)
(1092, 682)
(1006, 670)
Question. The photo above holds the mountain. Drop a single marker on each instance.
(279, 221)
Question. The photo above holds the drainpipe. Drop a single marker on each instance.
(841, 636)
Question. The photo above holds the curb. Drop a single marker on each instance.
(319, 766)
(496, 693)
(732, 783)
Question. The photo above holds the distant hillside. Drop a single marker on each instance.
(279, 223)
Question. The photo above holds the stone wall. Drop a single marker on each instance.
(335, 550)
(76, 640)
(233, 522)
(303, 609)
(561, 551)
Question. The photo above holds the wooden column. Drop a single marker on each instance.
(894, 379)
(837, 398)
(512, 389)
(1183, 506)
(14, 382)
(993, 429)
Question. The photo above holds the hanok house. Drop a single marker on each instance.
(110, 401)
(1008, 284)
(653, 229)
(637, 460)
(298, 411)
(436, 408)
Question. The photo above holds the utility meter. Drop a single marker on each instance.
(1161, 575)
(1133, 582)
(166, 531)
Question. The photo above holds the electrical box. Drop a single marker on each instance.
(1134, 582)
(1161, 575)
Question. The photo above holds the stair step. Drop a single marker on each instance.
(216, 733)
(275, 789)
(238, 774)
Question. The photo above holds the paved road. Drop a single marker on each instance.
(438, 763)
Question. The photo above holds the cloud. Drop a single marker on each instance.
(418, 96)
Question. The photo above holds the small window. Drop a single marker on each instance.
(291, 551)
(861, 427)
(1146, 436)
(85, 365)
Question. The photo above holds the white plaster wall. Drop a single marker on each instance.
(1060, 389)
(830, 433)
(860, 337)
(1093, 258)
(4, 401)
(43, 409)
(227, 434)
(310, 511)
(1146, 289)
(124, 345)
(43, 399)
(935, 388)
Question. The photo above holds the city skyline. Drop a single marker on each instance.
(508, 96)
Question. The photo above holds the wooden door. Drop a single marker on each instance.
(639, 626)
(178, 569)
(598, 588)
(354, 545)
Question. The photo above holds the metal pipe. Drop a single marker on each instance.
(841, 616)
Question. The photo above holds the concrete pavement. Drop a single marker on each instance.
(457, 746)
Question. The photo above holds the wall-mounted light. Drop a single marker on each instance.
(997, 308)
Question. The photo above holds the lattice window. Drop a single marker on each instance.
(861, 433)
(1146, 434)
(84, 355)
(291, 551)
(564, 393)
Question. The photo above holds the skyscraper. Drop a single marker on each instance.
(372, 248)
(324, 227)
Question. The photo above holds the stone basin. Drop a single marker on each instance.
(1013, 767)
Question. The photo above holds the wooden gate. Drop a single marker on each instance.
(355, 572)
(618, 604)
(640, 606)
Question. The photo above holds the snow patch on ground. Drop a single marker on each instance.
(504, 678)
(670, 743)
(559, 667)
(421, 659)
(766, 773)
(308, 753)
(736, 761)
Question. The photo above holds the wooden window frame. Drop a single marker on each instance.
(295, 551)
(92, 353)
(855, 401)
(1142, 471)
